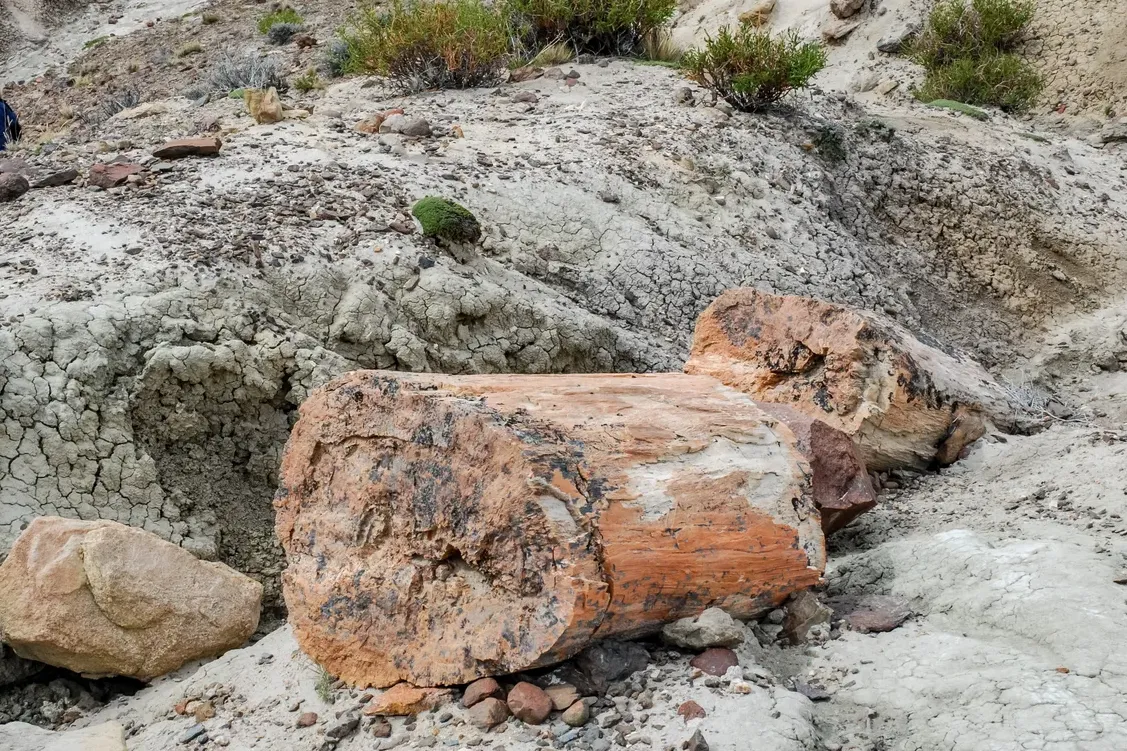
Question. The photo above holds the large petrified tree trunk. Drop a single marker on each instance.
(440, 528)
(905, 404)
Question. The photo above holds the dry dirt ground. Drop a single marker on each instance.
(156, 338)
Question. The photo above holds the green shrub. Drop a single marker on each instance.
(282, 15)
(446, 220)
(308, 81)
(615, 27)
(968, 49)
(445, 44)
(751, 69)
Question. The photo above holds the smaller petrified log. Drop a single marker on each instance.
(906, 404)
(440, 528)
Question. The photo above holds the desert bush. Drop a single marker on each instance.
(282, 33)
(286, 15)
(445, 220)
(658, 47)
(114, 102)
(556, 53)
(616, 27)
(190, 48)
(335, 59)
(418, 44)
(751, 69)
(248, 71)
(967, 50)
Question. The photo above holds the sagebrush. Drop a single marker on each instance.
(969, 52)
(614, 27)
(419, 44)
(286, 15)
(247, 71)
(751, 69)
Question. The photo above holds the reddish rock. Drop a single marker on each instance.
(403, 699)
(307, 719)
(563, 695)
(690, 710)
(715, 661)
(842, 489)
(112, 174)
(529, 703)
(188, 147)
(442, 528)
(482, 689)
(488, 713)
(12, 186)
(905, 404)
(804, 612)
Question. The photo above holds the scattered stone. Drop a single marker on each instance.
(712, 628)
(188, 147)
(101, 598)
(866, 81)
(192, 733)
(54, 179)
(488, 713)
(481, 689)
(683, 95)
(888, 86)
(895, 40)
(203, 710)
(304, 41)
(696, 742)
(403, 699)
(805, 612)
(837, 30)
(529, 703)
(528, 97)
(563, 695)
(758, 14)
(527, 73)
(264, 106)
(12, 186)
(1113, 133)
(577, 714)
(381, 728)
(870, 614)
(811, 691)
(845, 8)
(715, 661)
(554, 74)
(399, 123)
(307, 719)
(343, 727)
(690, 710)
(111, 174)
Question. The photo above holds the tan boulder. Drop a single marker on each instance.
(905, 403)
(100, 598)
(439, 528)
(264, 106)
(758, 14)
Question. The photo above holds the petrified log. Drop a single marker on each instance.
(439, 529)
(906, 404)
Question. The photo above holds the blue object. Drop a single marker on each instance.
(9, 125)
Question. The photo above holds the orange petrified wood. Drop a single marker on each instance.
(442, 528)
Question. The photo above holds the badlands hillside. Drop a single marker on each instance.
(164, 313)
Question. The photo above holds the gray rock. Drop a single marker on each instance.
(845, 8)
(12, 186)
(343, 727)
(895, 40)
(14, 668)
(712, 628)
(805, 612)
(611, 661)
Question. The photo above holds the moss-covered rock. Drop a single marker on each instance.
(954, 106)
(446, 220)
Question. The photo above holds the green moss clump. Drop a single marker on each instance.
(446, 220)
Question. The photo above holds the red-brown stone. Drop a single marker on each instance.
(715, 661)
(529, 703)
(183, 147)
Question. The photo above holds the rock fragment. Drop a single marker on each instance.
(12, 186)
(715, 661)
(480, 689)
(529, 703)
(403, 699)
(489, 713)
(183, 147)
(712, 628)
